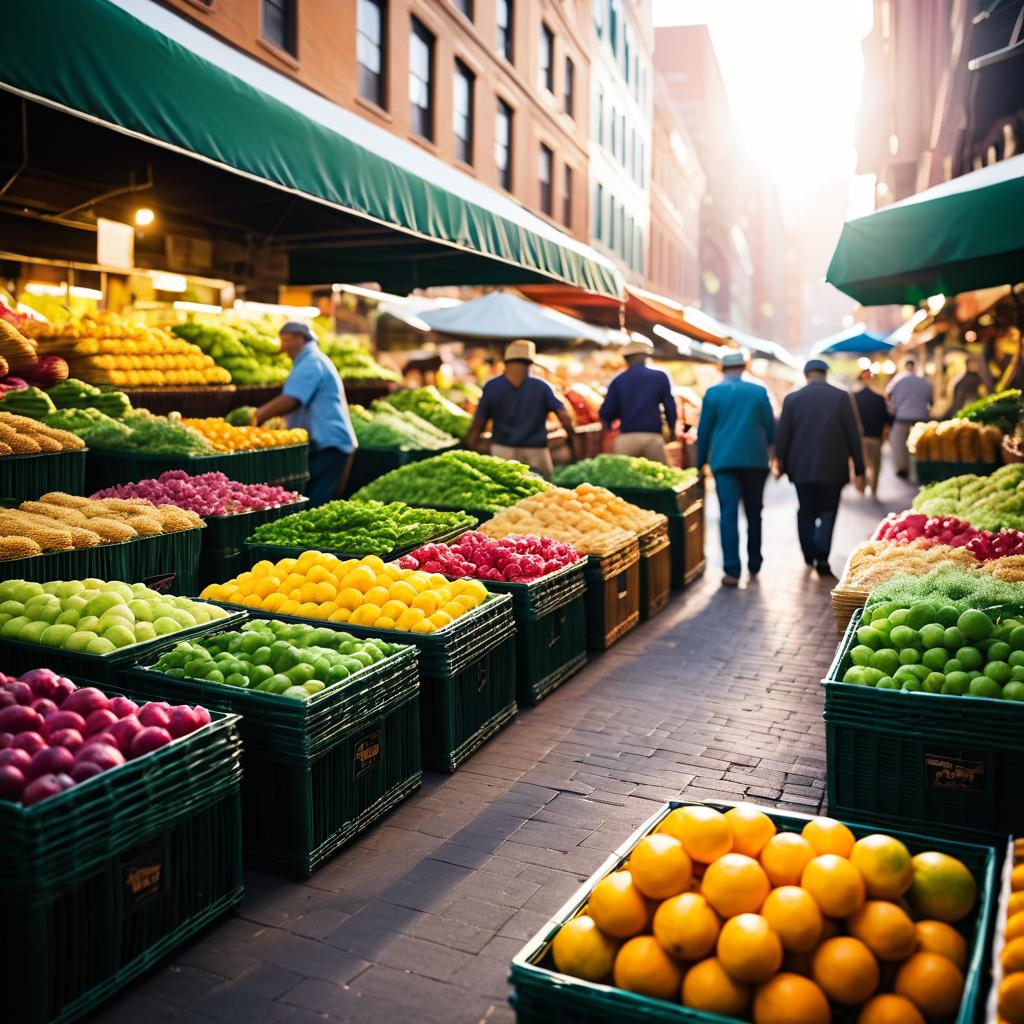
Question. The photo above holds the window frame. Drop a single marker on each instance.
(464, 7)
(568, 190)
(569, 87)
(419, 31)
(505, 175)
(381, 99)
(506, 32)
(290, 45)
(547, 50)
(462, 70)
(546, 160)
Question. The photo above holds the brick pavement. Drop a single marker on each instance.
(718, 697)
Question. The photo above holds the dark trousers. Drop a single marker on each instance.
(816, 518)
(734, 486)
(328, 474)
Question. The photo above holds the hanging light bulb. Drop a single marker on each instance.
(143, 217)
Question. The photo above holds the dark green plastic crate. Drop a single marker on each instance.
(541, 995)
(168, 554)
(99, 883)
(951, 765)
(930, 472)
(467, 677)
(551, 630)
(666, 500)
(371, 463)
(103, 669)
(25, 477)
(102, 562)
(320, 771)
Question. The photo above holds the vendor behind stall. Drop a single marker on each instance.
(636, 398)
(313, 398)
(518, 405)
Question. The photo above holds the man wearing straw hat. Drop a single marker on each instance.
(517, 404)
(636, 399)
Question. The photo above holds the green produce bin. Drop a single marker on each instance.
(467, 677)
(951, 765)
(318, 772)
(930, 472)
(666, 500)
(168, 554)
(25, 477)
(285, 466)
(99, 883)
(542, 995)
(370, 463)
(103, 562)
(551, 633)
(613, 596)
(103, 669)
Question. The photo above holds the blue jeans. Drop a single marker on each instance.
(734, 486)
(328, 472)
(816, 518)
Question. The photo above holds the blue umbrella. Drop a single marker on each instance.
(855, 341)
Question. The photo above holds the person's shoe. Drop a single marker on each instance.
(821, 567)
(730, 581)
(809, 562)
(753, 572)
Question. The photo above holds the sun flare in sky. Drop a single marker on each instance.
(792, 69)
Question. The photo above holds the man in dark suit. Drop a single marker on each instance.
(816, 437)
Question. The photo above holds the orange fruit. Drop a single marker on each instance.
(944, 939)
(1017, 878)
(1015, 904)
(846, 969)
(784, 858)
(1014, 926)
(704, 832)
(582, 950)
(1012, 956)
(708, 988)
(941, 888)
(885, 929)
(660, 867)
(686, 926)
(1011, 999)
(617, 906)
(885, 864)
(751, 829)
(749, 949)
(932, 983)
(835, 884)
(890, 1009)
(790, 999)
(735, 884)
(795, 917)
(642, 966)
(827, 835)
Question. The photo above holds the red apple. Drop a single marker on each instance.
(183, 721)
(12, 782)
(104, 754)
(85, 701)
(155, 714)
(63, 719)
(70, 739)
(29, 741)
(123, 731)
(21, 692)
(50, 761)
(83, 770)
(123, 706)
(15, 756)
(44, 787)
(99, 720)
(151, 738)
(44, 706)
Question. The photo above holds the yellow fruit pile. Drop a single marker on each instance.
(727, 915)
(363, 591)
(226, 438)
(107, 349)
(955, 441)
(1011, 958)
(21, 435)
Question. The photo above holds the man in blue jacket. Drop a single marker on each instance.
(735, 431)
(636, 398)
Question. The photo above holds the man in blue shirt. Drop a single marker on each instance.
(636, 399)
(518, 406)
(313, 398)
(735, 431)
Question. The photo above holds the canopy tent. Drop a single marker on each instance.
(135, 68)
(723, 333)
(500, 316)
(964, 234)
(854, 341)
(687, 348)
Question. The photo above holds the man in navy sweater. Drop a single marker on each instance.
(636, 398)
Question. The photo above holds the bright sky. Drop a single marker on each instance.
(793, 70)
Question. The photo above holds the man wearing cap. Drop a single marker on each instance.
(313, 398)
(910, 399)
(733, 437)
(517, 404)
(816, 438)
(636, 398)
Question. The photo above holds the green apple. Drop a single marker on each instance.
(9, 590)
(123, 590)
(69, 589)
(1013, 691)
(165, 625)
(56, 635)
(12, 627)
(76, 603)
(12, 607)
(313, 686)
(91, 583)
(79, 640)
(32, 632)
(99, 645)
(200, 612)
(52, 588)
(115, 618)
(89, 622)
(120, 635)
(183, 618)
(103, 603)
(141, 610)
(144, 631)
(68, 618)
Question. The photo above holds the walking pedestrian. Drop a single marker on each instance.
(733, 437)
(817, 436)
(968, 387)
(910, 401)
(636, 398)
(875, 420)
(518, 405)
(313, 398)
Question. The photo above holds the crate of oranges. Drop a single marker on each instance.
(735, 911)
(225, 437)
(465, 635)
(1006, 998)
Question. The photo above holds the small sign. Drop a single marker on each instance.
(115, 244)
(367, 753)
(942, 772)
(143, 875)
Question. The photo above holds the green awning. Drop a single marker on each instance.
(136, 67)
(963, 234)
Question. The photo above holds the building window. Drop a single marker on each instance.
(504, 15)
(599, 212)
(600, 116)
(279, 24)
(466, 6)
(622, 138)
(462, 112)
(599, 7)
(614, 17)
(547, 160)
(370, 50)
(547, 58)
(613, 147)
(622, 229)
(569, 105)
(503, 145)
(567, 195)
(421, 90)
